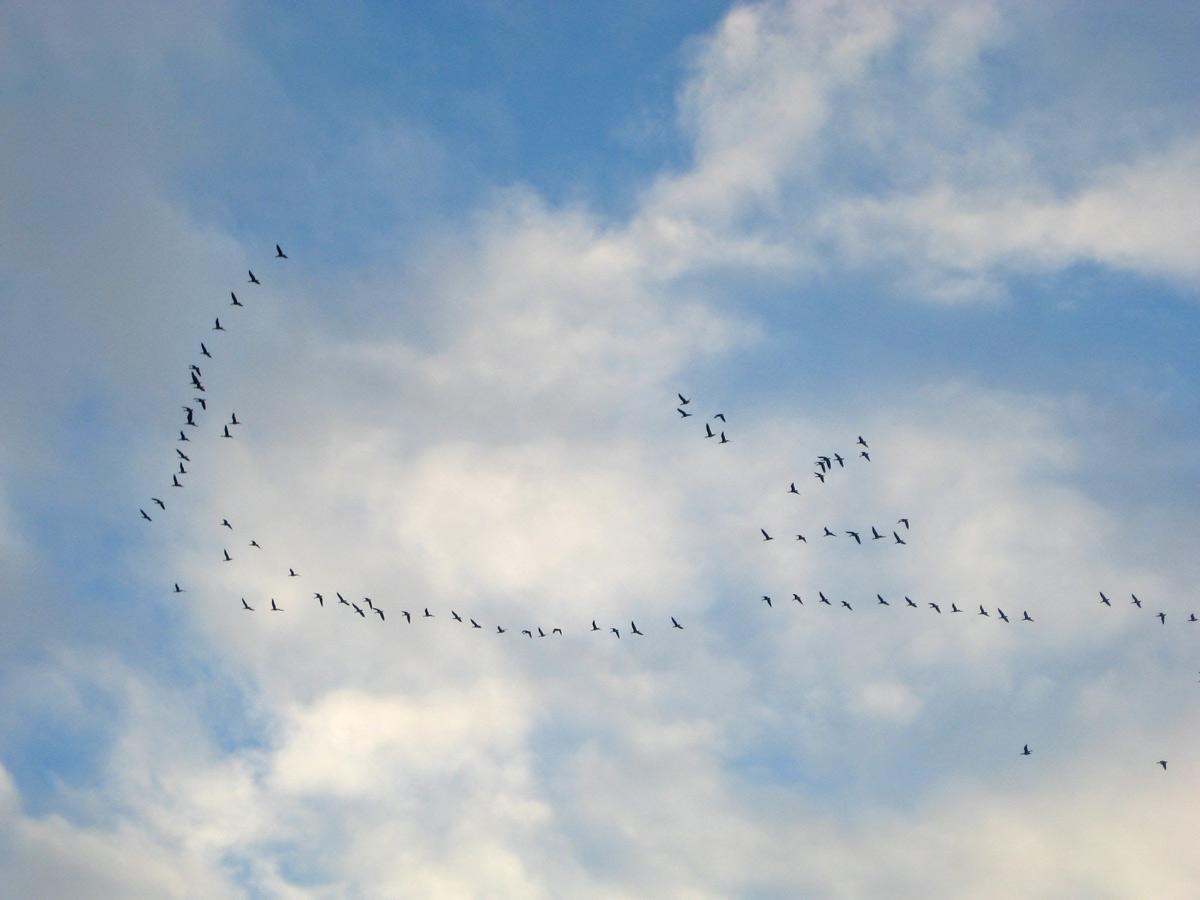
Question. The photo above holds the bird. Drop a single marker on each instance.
(828, 533)
(723, 440)
(903, 522)
(848, 606)
(358, 610)
(217, 325)
(274, 608)
(820, 475)
(1192, 618)
(1026, 751)
(182, 455)
(428, 614)
(178, 589)
(279, 254)
(801, 537)
(1136, 601)
(595, 627)
(226, 434)
(235, 302)
(899, 540)
(254, 543)
(144, 516)
(233, 420)
(857, 539)
(841, 462)
(766, 600)
(195, 368)
(1162, 617)
(617, 633)
(475, 624)
(766, 537)
(792, 489)
(823, 463)
(204, 350)
(252, 280)
(190, 417)
(683, 401)
(720, 416)
(796, 597)
(865, 455)
(936, 608)
(708, 432)
(195, 378)
(527, 632)
(675, 624)
(1104, 599)
(499, 630)
(175, 481)
(1003, 617)
(882, 602)
(683, 413)
(1163, 763)
(370, 603)
(182, 436)
(292, 573)
(910, 603)
(246, 605)
(319, 598)
(228, 558)
(954, 608)
(203, 403)
(824, 599)
(982, 611)
(541, 632)
(1025, 617)
(861, 441)
(557, 631)
(407, 616)
(875, 535)
(456, 616)
(379, 612)
(342, 600)
(161, 505)
(225, 522)
(182, 470)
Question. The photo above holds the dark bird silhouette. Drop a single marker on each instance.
(682, 412)
(178, 589)
(865, 455)
(857, 539)
(228, 558)
(319, 598)
(1192, 618)
(182, 436)
(233, 420)
(246, 605)
(369, 602)
(766, 600)
(675, 624)
(910, 603)
(903, 522)
(499, 630)
(1162, 617)
(826, 463)
(595, 627)
(861, 441)
(527, 633)
(407, 616)
(708, 432)
(195, 380)
(796, 597)
(1163, 763)
(683, 401)
(828, 533)
(226, 433)
(475, 624)
(144, 516)
(720, 416)
(954, 608)
(841, 462)
(899, 540)
(557, 631)
(792, 489)
(882, 602)
(182, 455)
(175, 481)
(161, 505)
(428, 614)
(936, 608)
(225, 522)
(292, 573)
(455, 616)
(190, 417)
(1136, 601)
(766, 537)
(252, 280)
(379, 612)
(982, 611)
(274, 608)
(1000, 612)
(848, 606)
(203, 403)
(235, 302)
(342, 600)
(1025, 752)
(1104, 599)
(1025, 617)
(192, 367)
(217, 325)
(541, 633)
(182, 470)
(279, 254)
(723, 440)
(820, 475)
(358, 610)
(254, 543)
(824, 599)
(875, 535)
(617, 633)
(801, 537)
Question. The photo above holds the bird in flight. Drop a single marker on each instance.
(841, 462)
(274, 608)
(203, 403)
(954, 608)
(319, 598)
(910, 603)
(675, 624)
(1026, 751)
(1025, 617)
(246, 605)
(358, 610)
(595, 627)
(1163, 763)
(217, 325)
(801, 537)
(235, 302)
(820, 475)
(861, 441)
(617, 633)
(633, 625)
(875, 535)
(899, 540)
(369, 602)
(1162, 617)
(379, 612)
(1003, 617)
(903, 522)
(279, 254)
(161, 505)
(456, 616)
(865, 455)
(225, 522)
(182, 455)
(1104, 599)
(228, 558)
(254, 543)
(233, 420)
(936, 608)
(1192, 618)
(175, 481)
(766, 599)
(475, 624)
(796, 597)
(144, 516)
(882, 602)
(723, 440)
(252, 280)
(527, 632)
(708, 432)
(1136, 601)
(828, 533)
(857, 539)
(226, 434)
(824, 599)
(720, 416)
(407, 616)
(683, 401)
(292, 573)
(766, 537)
(342, 600)
(182, 470)
(428, 614)
(499, 630)
(848, 606)
(792, 489)
(682, 412)
(982, 611)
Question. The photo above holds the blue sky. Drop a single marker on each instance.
(966, 230)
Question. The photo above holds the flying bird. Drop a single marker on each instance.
(857, 539)
(861, 441)
(899, 540)
(682, 412)
(228, 558)
(792, 489)
(910, 603)
(982, 611)
(407, 616)
(683, 401)
(233, 420)
(226, 434)
(379, 612)
(254, 543)
(292, 573)
(796, 597)
(1163, 763)
(903, 522)
(708, 431)
(766, 537)
(456, 616)
(527, 632)
(217, 325)
(801, 537)
(161, 505)
(499, 630)
(841, 462)
(720, 416)
(1192, 618)
(1025, 617)
(820, 475)
(954, 608)
(557, 631)
(723, 440)
(865, 455)
(428, 614)
(882, 602)
(253, 280)
(675, 624)
(875, 535)
(182, 455)
(1026, 751)
(475, 624)
(225, 522)
(595, 627)
(1136, 601)
(1104, 599)
(182, 470)
(204, 350)
(358, 610)
(617, 633)
(274, 608)
(319, 598)
(1162, 617)
(175, 481)
(766, 600)
(144, 516)
(370, 603)
(235, 302)
(279, 254)
(824, 599)
(1003, 617)
(246, 605)
(342, 600)
(936, 608)
(848, 606)
(203, 403)
(828, 533)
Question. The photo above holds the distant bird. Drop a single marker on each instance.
(557, 631)
(342, 600)
(527, 632)
(857, 539)
(617, 633)
(882, 602)
(824, 599)
(1162, 617)
(190, 417)
(899, 540)
(195, 378)
(801, 537)
(848, 606)
(720, 416)
(182, 470)
(254, 543)
(1104, 599)
(455, 616)
(936, 608)
(633, 625)
(903, 522)
(407, 616)
(708, 432)
(204, 350)
(875, 535)
(428, 614)
(369, 602)
(723, 440)
(161, 505)
(178, 589)
(982, 611)
(766, 600)
(226, 433)
(292, 573)
(595, 627)
(1163, 763)
(682, 412)
(838, 459)
(203, 403)
(182, 455)
(217, 325)
(1025, 617)
(274, 608)
(1003, 617)
(233, 420)
(379, 612)
(828, 533)
(820, 475)
(683, 401)
(195, 368)
(675, 624)
(235, 302)
(865, 455)
(1025, 752)
(541, 633)
(246, 605)
(796, 597)
(910, 603)
(792, 489)
(228, 558)
(144, 516)
(175, 481)
(1192, 618)
(861, 441)
(954, 608)
(252, 280)
(319, 598)
(358, 609)
(499, 630)
(1136, 601)
(225, 522)
(475, 624)
(279, 254)
(766, 537)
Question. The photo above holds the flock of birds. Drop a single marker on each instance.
(825, 467)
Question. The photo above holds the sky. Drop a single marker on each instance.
(965, 231)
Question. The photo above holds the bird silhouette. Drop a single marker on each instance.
(982, 611)
(228, 558)
(1192, 618)
(865, 455)
(1000, 612)
(226, 433)
(936, 608)
(499, 630)
(1104, 599)
(246, 605)
(595, 627)
(801, 537)
(428, 614)
(882, 602)
(204, 352)
(379, 612)
(407, 616)
(723, 440)
(708, 432)
(1025, 617)
(292, 573)
(203, 403)
(841, 462)
(848, 606)
(144, 515)
(274, 608)
(369, 602)
(527, 633)
(910, 603)
(617, 633)
(541, 633)
(217, 325)
(828, 533)
(279, 254)
(766, 537)
(682, 412)
(233, 420)
(182, 470)
(1162, 617)
(1136, 601)
(161, 505)
(792, 489)
(796, 597)
(475, 624)
(819, 475)
(182, 455)
(675, 624)
(178, 589)
(720, 416)
(766, 600)
(182, 436)
(857, 539)
(254, 543)
(175, 481)
(252, 280)
(1163, 763)
(861, 441)
(903, 522)
(875, 535)
(899, 540)
(319, 598)
(557, 631)
(235, 302)
(683, 401)
(455, 616)
(954, 608)
(342, 600)
(225, 523)
(1025, 752)
(824, 599)
(358, 610)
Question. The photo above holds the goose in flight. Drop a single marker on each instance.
(862, 442)
(226, 433)
(824, 599)
(233, 420)
(1025, 616)
(358, 610)
(1026, 751)
(954, 608)
(182, 470)
(675, 624)
(252, 280)
(455, 616)
(723, 440)
(766, 537)
(541, 633)
(796, 597)
(203, 403)
(217, 325)
(1163, 763)
(225, 523)
(865, 455)
(857, 539)
(617, 633)
(982, 611)
(182, 455)
(182, 436)
(1162, 617)
(1136, 601)
(838, 459)
(144, 515)
(910, 603)
(161, 505)
(937, 609)
(379, 612)
(882, 602)
(720, 416)
(828, 533)
(228, 558)
(178, 589)
(292, 573)
(1104, 599)
(475, 624)
(235, 302)
(801, 537)
(191, 420)
(766, 600)
(875, 535)
(557, 631)
(428, 614)
(683, 401)
(319, 598)
(848, 606)
(682, 412)
(1192, 618)
(819, 475)
(342, 600)
(175, 481)
(708, 432)
(246, 605)
(254, 543)
(903, 522)
(1003, 617)
(369, 602)
(499, 630)
(527, 633)
(407, 616)
(595, 627)
(275, 608)
(899, 540)
(279, 254)
(792, 489)
(633, 625)
(826, 463)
